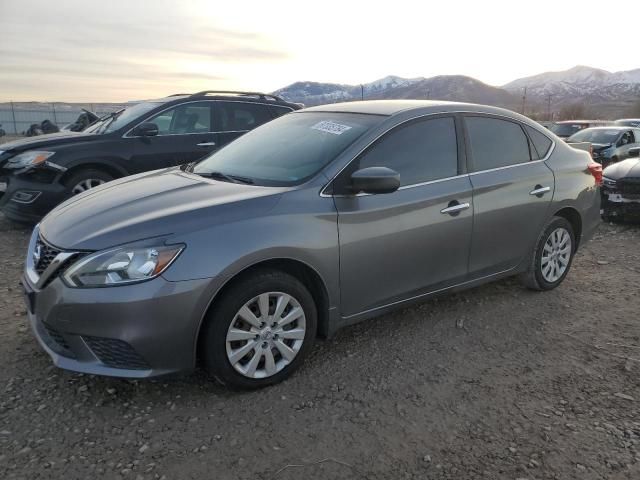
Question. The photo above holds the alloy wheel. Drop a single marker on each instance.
(556, 255)
(86, 184)
(266, 334)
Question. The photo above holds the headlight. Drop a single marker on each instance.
(608, 182)
(121, 266)
(27, 159)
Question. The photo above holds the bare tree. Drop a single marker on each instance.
(572, 111)
(634, 110)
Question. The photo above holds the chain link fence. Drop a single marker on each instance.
(17, 117)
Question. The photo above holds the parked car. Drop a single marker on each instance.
(319, 219)
(43, 171)
(621, 189)
(628, 122)
(566, 128)
(608, 144)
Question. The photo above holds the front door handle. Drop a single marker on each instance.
(207, 144)
(539, 190)
(454, 208)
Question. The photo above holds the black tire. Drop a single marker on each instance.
(212, 341)
(533, 278)
(84, 175)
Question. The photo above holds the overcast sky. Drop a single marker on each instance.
(117, 50)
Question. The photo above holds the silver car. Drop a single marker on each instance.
(320, 219)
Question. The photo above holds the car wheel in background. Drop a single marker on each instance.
(552, 256)
(85, 180)
(259, 331)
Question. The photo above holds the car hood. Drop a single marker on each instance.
(48, 140)
(152, 204)
(627, 168)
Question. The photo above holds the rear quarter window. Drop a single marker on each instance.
(496, 143)
(541, 143)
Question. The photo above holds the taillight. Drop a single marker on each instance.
(596, 170)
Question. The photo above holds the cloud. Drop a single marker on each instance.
(121, 48)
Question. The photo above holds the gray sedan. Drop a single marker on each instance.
(322, 218)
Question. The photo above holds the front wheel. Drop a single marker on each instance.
(86, 180)
(259, 331)
(552, 256)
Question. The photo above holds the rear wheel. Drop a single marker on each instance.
(552, 256)
(259, 331)
(86, 180)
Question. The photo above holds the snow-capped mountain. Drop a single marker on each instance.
(315, 93)
(578, 82)
(604, 94)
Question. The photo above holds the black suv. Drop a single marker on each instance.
(41, 172)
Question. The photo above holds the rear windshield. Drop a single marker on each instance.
(596, 136)
(567, 129)
(290, 149)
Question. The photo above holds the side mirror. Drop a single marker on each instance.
(146, 129)
(375, 180)
(634, 152)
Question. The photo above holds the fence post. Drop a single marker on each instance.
(15, 124)
(55, 119)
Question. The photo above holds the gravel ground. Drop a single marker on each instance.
(497, 382)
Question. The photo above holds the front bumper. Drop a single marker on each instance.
(618, 202)
(26, 200)
(135, 331)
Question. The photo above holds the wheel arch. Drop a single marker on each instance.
(106, 167)
(572, 215)
(298, 269)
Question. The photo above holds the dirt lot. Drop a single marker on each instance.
(498, 382)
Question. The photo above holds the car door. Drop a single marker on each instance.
(235, 118)
(512, 190)
(403, 244)
(185, 135)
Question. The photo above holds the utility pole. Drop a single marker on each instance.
(428, 94)
(361, 92)
(524, 99)
(13, 115)
(549, 107)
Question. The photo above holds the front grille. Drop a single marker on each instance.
(47, 254)
(57, 342)
(116, 353)
(630, 186)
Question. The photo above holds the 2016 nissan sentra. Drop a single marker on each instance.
(319, 219)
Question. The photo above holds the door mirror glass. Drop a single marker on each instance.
(375, 180)
(634, 152)
(146, 129)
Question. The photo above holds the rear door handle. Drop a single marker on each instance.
(454, 209)
(539, 190)
(207, 144)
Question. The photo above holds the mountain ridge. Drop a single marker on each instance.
(607, 94)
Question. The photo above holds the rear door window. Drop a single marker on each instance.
(496, 143)
(241, 116)
(279, 111)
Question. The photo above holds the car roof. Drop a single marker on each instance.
(611, 127)
(394, 107)
(584, 121)
(245, 97)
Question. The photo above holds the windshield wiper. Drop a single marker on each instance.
(225, 177)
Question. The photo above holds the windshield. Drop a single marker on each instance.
(594, 135)
(290, 149)
(114, 121)
(567, 129)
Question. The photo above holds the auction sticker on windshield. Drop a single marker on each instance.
(331, 127)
